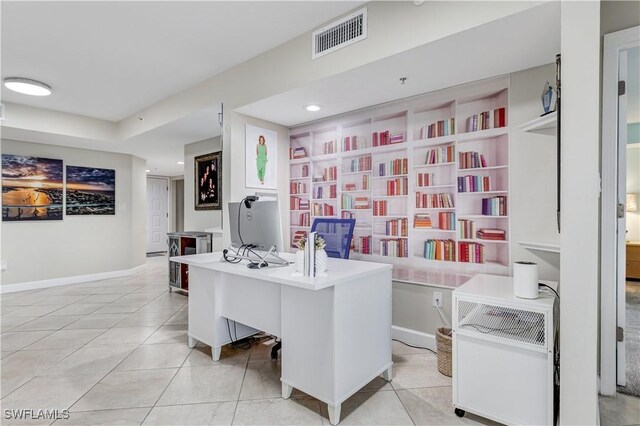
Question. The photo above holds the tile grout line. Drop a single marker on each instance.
(246, 366)
(172, 377)
(404, 407)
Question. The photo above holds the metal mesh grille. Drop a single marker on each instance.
(507, 323)
(333, 37)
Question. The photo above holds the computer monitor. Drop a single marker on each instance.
(258, 225)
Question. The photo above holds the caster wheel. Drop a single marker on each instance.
(459, 412)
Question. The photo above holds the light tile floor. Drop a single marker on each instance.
(115, 352)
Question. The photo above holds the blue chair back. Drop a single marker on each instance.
(337, 233)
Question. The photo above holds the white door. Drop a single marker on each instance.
(157, 214)
(621, 280)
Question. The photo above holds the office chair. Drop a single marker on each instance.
(337, 234)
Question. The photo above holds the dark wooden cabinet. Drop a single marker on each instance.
(184, 244)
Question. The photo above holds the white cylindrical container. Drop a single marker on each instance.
(525, 280)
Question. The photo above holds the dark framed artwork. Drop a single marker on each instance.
(91, 191)
(208, 185)
(31, 188)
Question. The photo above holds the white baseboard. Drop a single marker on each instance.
(413, 337)
(34, 285)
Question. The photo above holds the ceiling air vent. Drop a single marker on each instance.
(340, 33)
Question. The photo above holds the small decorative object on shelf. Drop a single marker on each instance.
(548, 98)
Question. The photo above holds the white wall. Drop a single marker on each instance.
(79, 245)
(198, 220)
(579, 269)
(532, 173)
(235, 152)
(633, 186)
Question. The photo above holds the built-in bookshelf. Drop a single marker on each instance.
(426, 178)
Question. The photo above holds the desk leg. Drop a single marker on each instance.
(215, 353)
(334, 413)
(388, 374)
(286, 390)
(191, 342)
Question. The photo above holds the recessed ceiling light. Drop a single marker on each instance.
(27, 86)
(148, 170)
(312, 108)
(181, 162)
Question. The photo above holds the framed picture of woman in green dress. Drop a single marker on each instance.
(261, 158)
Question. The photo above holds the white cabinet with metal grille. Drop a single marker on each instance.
(504, 352)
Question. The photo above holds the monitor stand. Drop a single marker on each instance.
(261, 261)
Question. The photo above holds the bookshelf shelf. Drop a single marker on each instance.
(481, 241)
(450, 231)
(389, 176)
(482, 105)
(323, 157)
(482, 134)
(541, 124)
(480, 169)
(423, 166)
(389, 148)
(481, 216)
(299, 160)
(356, 153)
(422, 188)
(434, 208)
(482, 193)
(442, 140)
(365, 172)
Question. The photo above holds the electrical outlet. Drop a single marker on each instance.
(3, 264)
(437, 299)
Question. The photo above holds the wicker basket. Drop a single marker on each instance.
(443, 346)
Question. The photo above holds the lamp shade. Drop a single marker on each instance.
(632, 202)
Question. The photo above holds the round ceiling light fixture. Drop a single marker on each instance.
(26, 86)
(312, 108)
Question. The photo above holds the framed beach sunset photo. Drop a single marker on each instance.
(31, 188)
(90, 191)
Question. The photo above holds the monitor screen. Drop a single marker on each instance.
(258, 225)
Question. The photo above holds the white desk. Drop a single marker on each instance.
(335, 330)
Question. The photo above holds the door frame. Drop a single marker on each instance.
(169, 192)
(613, 44)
